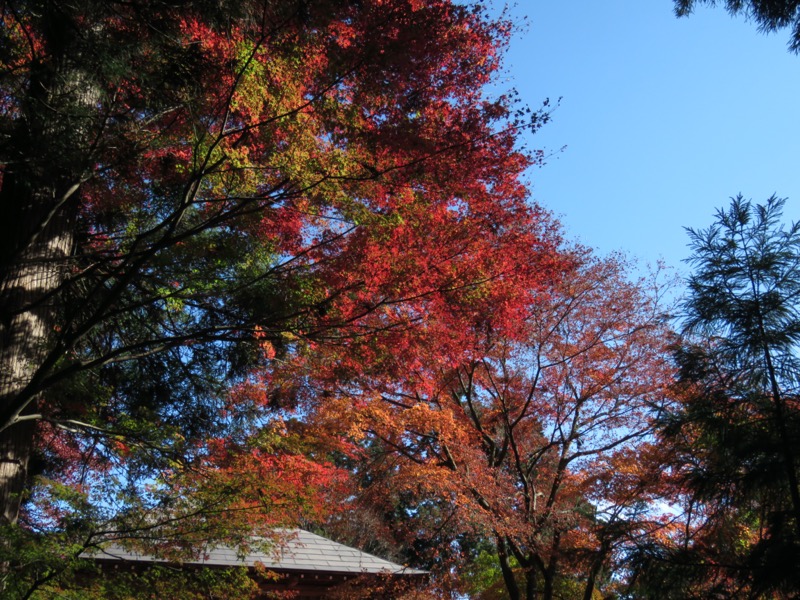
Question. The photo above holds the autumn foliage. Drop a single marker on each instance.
(195, 195)
(530, 434)
(266, 263)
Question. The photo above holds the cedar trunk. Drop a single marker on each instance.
(28, 291)
(38, 210)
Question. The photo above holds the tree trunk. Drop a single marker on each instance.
(779, 411)
(530, 584)
(27, 292)
(508, 574)
(594, 571)
(785, 440)
(550, 572)
(38, 211)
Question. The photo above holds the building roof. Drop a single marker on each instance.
(296, 550)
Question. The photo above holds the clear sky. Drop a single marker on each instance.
(663, 119)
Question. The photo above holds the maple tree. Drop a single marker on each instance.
(195, 192)
(527, 433)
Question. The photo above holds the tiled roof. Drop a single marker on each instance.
(296, 550)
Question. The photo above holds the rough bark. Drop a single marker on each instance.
(38, 211)
(28, 289)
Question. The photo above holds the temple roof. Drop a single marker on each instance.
(295, 550)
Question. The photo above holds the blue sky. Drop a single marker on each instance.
(663, 119)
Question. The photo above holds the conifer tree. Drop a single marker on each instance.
(736, 435)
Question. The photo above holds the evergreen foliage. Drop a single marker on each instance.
(770, 15)
(736, 433)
